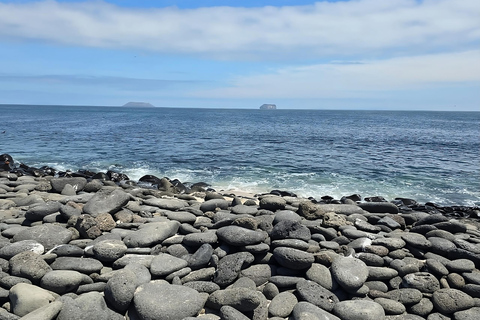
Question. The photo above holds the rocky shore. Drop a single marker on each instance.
(86, 245)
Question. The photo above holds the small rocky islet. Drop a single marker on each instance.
(85, 245)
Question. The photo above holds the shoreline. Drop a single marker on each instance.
(109, 248)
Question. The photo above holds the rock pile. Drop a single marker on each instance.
(72, 248)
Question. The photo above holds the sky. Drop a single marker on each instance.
(350, 54)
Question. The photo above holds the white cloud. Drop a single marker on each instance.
(324, 29)
(362, 79)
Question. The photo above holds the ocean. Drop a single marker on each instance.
(426, 156)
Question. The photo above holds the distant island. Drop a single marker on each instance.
(138, 105)
(268, 106)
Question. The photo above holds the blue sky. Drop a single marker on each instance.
(352, 54)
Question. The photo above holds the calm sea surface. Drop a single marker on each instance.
(427, 156)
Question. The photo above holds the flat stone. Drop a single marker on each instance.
(203, 286)
(12, 249)
(406, 296)
(307, 311)
(359, 310)
(164, 264)
(391, 307)
(469, 314)
(416, 240)
(273, 203)
(90, 305)
(230, 313)
(350, 273)
(181, 216)
(316, 294)
(77, 183)
(151, 234)
(242, 299)
(381, 273)
(177, 302)
(109, 250)
(197, 239)
(37, 213)
(83, 265)
(293, 258)
(379, 207)
(259, 273)
(449, 301)
(25, 298)
(145, 260)
(106, 200)
(460, 265)
(213, 204)
(238, 236)
(47, 312)
(62, 281)
(49, 235)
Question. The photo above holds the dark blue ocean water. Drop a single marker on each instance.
(427, 156)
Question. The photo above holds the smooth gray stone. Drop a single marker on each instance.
(404, 267)
(25, 298)
(212, 204)
(273, 203)
(321, 275)
(416, 240)
(307, 311)
(141, 272)
(288, 215)
(49, 235)
(242, 299)
(259, 273)
(288, 229)
(441, 246)
(465, 245)
(164, 264)
(379, 207)
(451, 300)
(106, 200)
(472, 277)
(201, 257)
(142, 259)
(97, 286)
(109, 250)
(370, 259)
(238, 236)
(90, 305)
(47, 312)
(37, 213)
(436, 267)
(390, 243)
(28, 200)
(12, 230)
(180, 216)
(229, 267)
(460, 265)
(77, 183)
(316, 294)
(243, 209)
(381, 273)
(293, 258)
(390, 306)
(350, 273)
(120, 289)
(12, 249)
(167, 204)
(29, 265)
(203, 286)
(62, 281)
(282, 305)
(151, 234)
(389, 222)
(177, 302)
(10, 281)
(359, 310)
(205, 274)
(83, 265)
(230, 313)
(423, 308)
(67, 250)
(291, 243)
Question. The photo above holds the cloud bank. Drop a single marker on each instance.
(324, 29)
